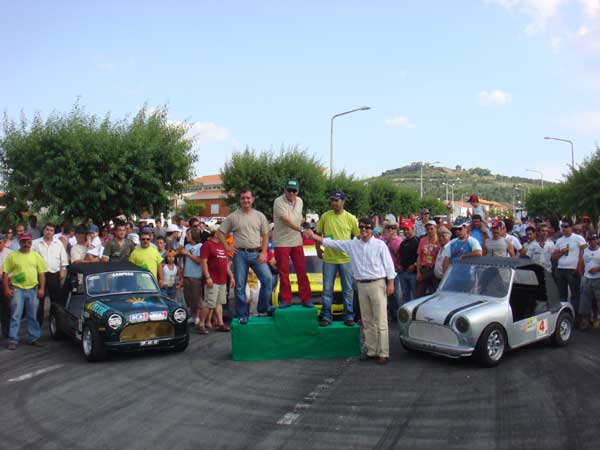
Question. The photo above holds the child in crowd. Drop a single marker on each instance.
(172, 276)
(252, 290)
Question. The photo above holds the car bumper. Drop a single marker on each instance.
(157, 343)
(450, 351)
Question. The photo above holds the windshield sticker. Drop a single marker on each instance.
(542, 328)
(158, 315)
(122, 274)
(98, 308)
(93, 277)
(139, 317)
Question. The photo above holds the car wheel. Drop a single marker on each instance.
(182, 346)
(491, 345)
(407, 348)
(55, 331)
(563, 331)
(91, 344)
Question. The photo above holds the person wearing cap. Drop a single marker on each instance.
(173, 237)
(79, 248)
(420, 230)
(479, 230)
(287, 240)
(498, 245)
(119, 247)
(373, 271)
(540, 250)
(568, 252)
(476, 208)
(4, 303)
(590, 286)
(92, 238)
(147, 257)
(337, 224)
(250, 230)
(55, 256)
(24, 283)
(427, 252)
(407, 263)
(462, 246)
(215, 268)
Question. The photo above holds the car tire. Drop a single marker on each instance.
(55, 331)
(91, 343)
(182, 346)
(491, 346)
(563, 331)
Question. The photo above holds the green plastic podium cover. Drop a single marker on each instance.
(292, 333)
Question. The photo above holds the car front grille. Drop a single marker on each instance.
(432, 333)
(150, 330)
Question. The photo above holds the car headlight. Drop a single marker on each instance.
(403, 315)
(115, 321)
(179, 315)
(462, 324)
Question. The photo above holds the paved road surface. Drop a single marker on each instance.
(539, 398)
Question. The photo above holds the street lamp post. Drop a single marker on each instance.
(362, 108)
(423, 163)
(572, 151)
(541, 175)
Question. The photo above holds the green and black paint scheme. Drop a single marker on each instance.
(116, 306)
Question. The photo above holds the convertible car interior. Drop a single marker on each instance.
(528, 295)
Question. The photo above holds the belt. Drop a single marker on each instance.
(250, 250)
(369, 281)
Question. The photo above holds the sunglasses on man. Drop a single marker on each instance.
(365, 227)
(292, 191)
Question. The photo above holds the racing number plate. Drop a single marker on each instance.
(150, 342)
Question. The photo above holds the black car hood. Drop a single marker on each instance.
(131, 303)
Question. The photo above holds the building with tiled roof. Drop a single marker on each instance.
(208, 190)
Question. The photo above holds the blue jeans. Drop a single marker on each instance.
(408, 284)
(169, 291)
(241, 261)
(329, 272)
(396, 299)
(24, 298)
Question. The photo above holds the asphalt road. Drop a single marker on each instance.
(540, 397)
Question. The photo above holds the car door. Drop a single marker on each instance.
(74, 308)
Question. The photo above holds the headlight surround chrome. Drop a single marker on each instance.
(462, 325)
(403, 315)
(179, 315)
(115, 321)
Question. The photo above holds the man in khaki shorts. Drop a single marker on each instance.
(215, 268)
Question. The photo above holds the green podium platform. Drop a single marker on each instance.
(292, 332)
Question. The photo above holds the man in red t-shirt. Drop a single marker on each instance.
(215, 268)
(427, 253)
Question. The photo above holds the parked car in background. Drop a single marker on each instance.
(116, 307)
(485, 306)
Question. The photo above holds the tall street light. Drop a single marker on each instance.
(362, 108)
(541, 175)
(572, 151)
(422, 164)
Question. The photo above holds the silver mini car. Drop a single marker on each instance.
(485, 306)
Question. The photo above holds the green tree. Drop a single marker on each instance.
(435, 206)
(386, 197)
(191, 209)
(582, 188)
(356, 192)
(77, 165)
(547, 202)
(266, 173)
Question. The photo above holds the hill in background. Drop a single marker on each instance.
(478, 181)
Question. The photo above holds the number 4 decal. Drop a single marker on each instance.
(542, 328)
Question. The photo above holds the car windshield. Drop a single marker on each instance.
(480, 280)
(120, 282)
(313, 265)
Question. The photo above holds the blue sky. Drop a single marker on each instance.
(473, 83)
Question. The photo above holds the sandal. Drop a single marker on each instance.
(223, 328)
(201, 330)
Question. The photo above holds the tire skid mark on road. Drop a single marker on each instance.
(29, 375)
(291, 417)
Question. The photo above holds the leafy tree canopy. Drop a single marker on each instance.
(78, 165)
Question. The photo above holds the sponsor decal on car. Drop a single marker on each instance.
(135, 300)
(122, 274)
(139, 317)
(97, 308)
(158, 315)
(542, 328)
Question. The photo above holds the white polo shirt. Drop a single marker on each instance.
(54, 254)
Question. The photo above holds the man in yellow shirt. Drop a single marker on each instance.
(24, 283)
(337, 224)
(148, 257)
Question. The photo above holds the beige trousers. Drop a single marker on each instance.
(373, 310)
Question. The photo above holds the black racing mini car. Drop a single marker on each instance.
(116, 306)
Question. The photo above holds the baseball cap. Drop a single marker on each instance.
(292, 184)
(473, 199)
(213, 228)
(93, 229)
(425, 211)
(498, 224)
(134, 238)
(431, 222)
(593, 236)
(465, 225)
(146, 230)
(337, 195)
(95, 251)
(180, 217)
(25, 237)
(172, 228)
(407, 225)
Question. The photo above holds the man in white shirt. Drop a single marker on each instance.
(542, 248)
(568, 252)
(371, 265)
(4, 303)
(54, 254)
(591, 282)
